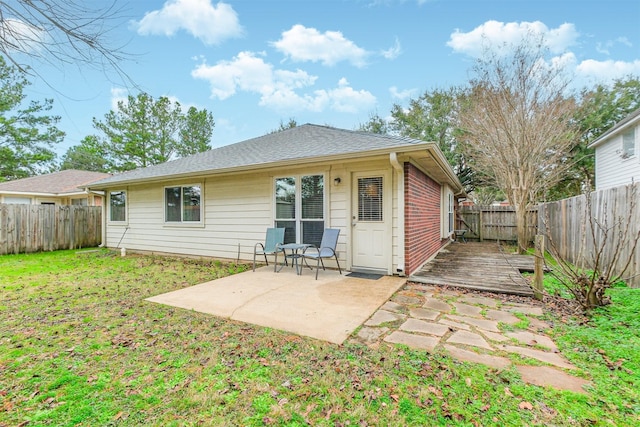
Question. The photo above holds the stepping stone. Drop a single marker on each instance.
(543, 356)
(466, 309)
(469, 338)
(415, 325)
(436, 304)
(371, 335)
(546, 376)
(383, 316)
(487, 325)
(414, 341)
(538, 325)
(455, 325)
(530, 339)
(423, 313)
(471, 356)
(502, 316)
(392, 306)
(494, 336)
(529, 310)
(488, 302)
(405, 300)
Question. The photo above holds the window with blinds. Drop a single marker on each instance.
(300, 208)
(370, 199)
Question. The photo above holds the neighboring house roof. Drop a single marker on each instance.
(56, 184)
(617, 128)
(302, 144)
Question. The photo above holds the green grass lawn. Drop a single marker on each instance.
(80, 346)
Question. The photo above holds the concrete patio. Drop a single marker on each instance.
(329, 308)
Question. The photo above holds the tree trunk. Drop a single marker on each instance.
(522, 229)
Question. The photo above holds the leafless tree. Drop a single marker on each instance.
(62, 33)
(608, 239)
(517, 126)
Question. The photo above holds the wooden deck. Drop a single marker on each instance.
(480, 266)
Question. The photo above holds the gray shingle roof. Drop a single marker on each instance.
(298, 144)
(57, 183)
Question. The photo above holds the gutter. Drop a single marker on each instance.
(405, 149)
(393, 159)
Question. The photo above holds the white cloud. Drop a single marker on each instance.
(393, 52)
(210, 23)
(398, 94)
(609, 70)
(303, 44)
(499, 36)
(281, 90)
(118, 95)
(20, 36)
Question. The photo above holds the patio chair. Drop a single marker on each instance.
(327, 249)
(271, 246)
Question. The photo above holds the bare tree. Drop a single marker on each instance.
(60, 32)
(608, 238)
(517, 126)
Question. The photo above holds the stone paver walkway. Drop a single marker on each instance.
(473, 328)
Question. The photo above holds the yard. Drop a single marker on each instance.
(80, 346)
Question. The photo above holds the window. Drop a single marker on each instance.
(79, 202)
(17, 200)
(300, 208)
(117, 206)
(451, 220)
(182, 204)
(370, 199)
(628, 144)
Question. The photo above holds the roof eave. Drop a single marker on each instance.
(304, 161)
(613, 132)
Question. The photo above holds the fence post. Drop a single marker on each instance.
(538, 267)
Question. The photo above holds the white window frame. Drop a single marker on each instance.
(126, 206)
(629, 150)
(182, 222)
(451, 214)
(298, 202)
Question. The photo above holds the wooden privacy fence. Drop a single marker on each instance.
(493, 222)
(567, 224)
(37, 228)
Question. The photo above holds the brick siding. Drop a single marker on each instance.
(422, 214)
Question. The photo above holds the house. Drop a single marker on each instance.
(618, 153)
(391, 197)
(67, 187)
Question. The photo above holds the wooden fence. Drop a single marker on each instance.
(567, 224)
(37, 228)
(493, 222)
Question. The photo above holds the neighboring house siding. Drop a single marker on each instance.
(422, 218)
(612, 170)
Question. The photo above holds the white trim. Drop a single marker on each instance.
(298, 201)
(127, 202)
(182, 222)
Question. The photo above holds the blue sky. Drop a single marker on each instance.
(254, 63)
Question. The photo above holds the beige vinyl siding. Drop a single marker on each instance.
(612, 170)
(237, 210)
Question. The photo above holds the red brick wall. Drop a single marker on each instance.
(422, 215)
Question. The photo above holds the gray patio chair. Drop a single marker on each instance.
(327, 249)
(271, 246)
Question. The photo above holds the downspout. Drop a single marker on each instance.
(393, 158)
(103, 244)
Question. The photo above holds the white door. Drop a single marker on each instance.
(370, 223)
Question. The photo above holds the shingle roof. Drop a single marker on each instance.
(298, 144)
(57, 183)
(618, 126)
